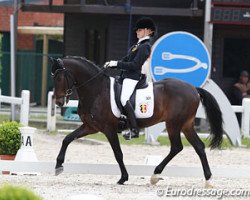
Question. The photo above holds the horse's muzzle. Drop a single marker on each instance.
(60, 101)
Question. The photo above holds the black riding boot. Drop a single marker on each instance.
(134, 131)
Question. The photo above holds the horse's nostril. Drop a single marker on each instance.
(60, 102)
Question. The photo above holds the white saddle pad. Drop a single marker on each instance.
(144, 103)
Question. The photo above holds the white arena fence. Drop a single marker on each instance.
(23, 101)
(245, 118)
(244, 109)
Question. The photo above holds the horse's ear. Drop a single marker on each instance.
(51, 60)
(59, 63)
(53, 63)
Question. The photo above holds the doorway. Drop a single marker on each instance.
(236, 57)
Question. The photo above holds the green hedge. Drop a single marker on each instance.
(9, 192)
(10, 138)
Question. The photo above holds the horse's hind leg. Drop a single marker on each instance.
(176, 147)
(199, 147)
(80, 132)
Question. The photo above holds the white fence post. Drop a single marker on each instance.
(245, 119)
(25, 106)
(51, 112)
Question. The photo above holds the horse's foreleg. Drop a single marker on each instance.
(115, 144)
(80, 132)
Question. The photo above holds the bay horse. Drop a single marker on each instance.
(176, 104)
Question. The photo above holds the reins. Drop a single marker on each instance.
(94, 77)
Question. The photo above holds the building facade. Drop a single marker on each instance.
(29, 48)
(101, 30)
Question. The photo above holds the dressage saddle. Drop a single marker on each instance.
(142, 83)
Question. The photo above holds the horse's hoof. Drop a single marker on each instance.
(58, 170)
(208, 184)
(122, 181)
(155, 179)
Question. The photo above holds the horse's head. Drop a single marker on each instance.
(72, 71)
(63, 82)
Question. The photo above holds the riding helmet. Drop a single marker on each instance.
(145, 22)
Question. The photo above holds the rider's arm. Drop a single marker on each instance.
(125, 58)
(136, 64)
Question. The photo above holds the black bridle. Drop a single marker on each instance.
(69, 77)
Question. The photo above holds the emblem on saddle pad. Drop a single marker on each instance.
(144, 103)
(143, 108)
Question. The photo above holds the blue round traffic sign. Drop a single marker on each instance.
(180, 55)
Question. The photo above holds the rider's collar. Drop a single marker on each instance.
(144, 38)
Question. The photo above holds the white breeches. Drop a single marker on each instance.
(128, 87)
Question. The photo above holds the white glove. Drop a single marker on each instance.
(106, 64)
(111, 63)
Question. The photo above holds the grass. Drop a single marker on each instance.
(246, 142)
(163, 140)
(4, 118)
(102, 137)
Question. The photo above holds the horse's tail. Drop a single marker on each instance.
(214, 116)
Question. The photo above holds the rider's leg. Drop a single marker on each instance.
(134, 131)
(127, 90)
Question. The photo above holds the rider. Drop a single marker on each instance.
(131, 66)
